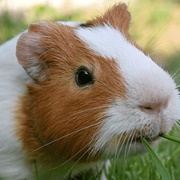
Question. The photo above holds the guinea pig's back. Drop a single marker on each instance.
(12, 85)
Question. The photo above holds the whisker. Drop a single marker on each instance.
(122, 145)
(69, 158)
(90, 109)
(75, 163)
(121, 148)
(141, 131)
(62, 137)
(58, 139)
(154, 37)
(177, 124)
(177, 86)
(177, 71)
(94, 151)
(117, 154)
(131, 141)
(127, 144)
(176, 76)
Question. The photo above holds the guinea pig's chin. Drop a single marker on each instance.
(132, 147)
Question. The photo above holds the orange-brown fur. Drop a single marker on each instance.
(119, 18)
(54, 107)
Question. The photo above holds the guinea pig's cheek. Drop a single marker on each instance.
(127, 123)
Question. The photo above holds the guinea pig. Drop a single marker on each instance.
(73, 94)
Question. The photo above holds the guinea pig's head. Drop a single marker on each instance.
(93, 89)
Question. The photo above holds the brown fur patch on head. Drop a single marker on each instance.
(118, 17)
(58, 112)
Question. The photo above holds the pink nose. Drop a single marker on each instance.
(154, 107)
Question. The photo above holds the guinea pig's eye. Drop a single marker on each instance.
(83, 77)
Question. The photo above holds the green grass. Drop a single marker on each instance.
(162, 171)
(11, 25)
(158, 163)
(155, 14)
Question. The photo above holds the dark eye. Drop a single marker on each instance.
(84, 77)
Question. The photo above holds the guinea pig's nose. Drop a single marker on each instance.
(154, 107)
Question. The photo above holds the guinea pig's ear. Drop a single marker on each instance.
(29, 50)
(118, 17)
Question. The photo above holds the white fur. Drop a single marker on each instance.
(12, 85)
(13, 80)
(146, 83)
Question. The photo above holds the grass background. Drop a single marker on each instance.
(156, 27)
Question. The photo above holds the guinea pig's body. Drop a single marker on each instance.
(72, 94)
(12, 78)
(13, 161)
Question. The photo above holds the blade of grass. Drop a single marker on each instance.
(172, 138)
(36, 170)
(159, 166)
